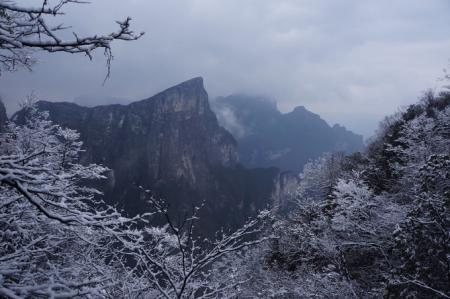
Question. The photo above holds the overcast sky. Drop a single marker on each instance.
(351, 61)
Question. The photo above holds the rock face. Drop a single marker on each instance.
(173, 145)
(284, 192)
(174, 134)
(3, 116)
(267, 137)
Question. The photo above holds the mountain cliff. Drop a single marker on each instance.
(172, 144)
(173, 133)
(266, 137)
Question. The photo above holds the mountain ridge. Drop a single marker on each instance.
(267, 137)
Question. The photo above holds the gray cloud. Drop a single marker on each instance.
(351, 61)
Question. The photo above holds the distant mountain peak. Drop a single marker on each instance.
(339, 127)
(300, 109)
(196, 81)
(267, 137)
(190, 85)
(189, 96)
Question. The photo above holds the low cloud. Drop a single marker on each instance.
(229, 121)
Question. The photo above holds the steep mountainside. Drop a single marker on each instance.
(173, 145)
(267, 137)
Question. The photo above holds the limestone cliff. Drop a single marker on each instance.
(284, 192)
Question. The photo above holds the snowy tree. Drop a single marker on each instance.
(56, 236)
(24, 29)
(423, 239)
(177, 264)
(260, 279)
(334, 247)
(319, 176)
(361, 228)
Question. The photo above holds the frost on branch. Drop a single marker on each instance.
(24, 29)
(178, 264)
(56, 237)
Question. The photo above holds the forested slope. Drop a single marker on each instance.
(368, 225)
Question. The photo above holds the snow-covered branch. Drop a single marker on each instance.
(24, 29)
(179, 263)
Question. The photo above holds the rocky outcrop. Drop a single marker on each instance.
(284, 192)
(266, 137)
